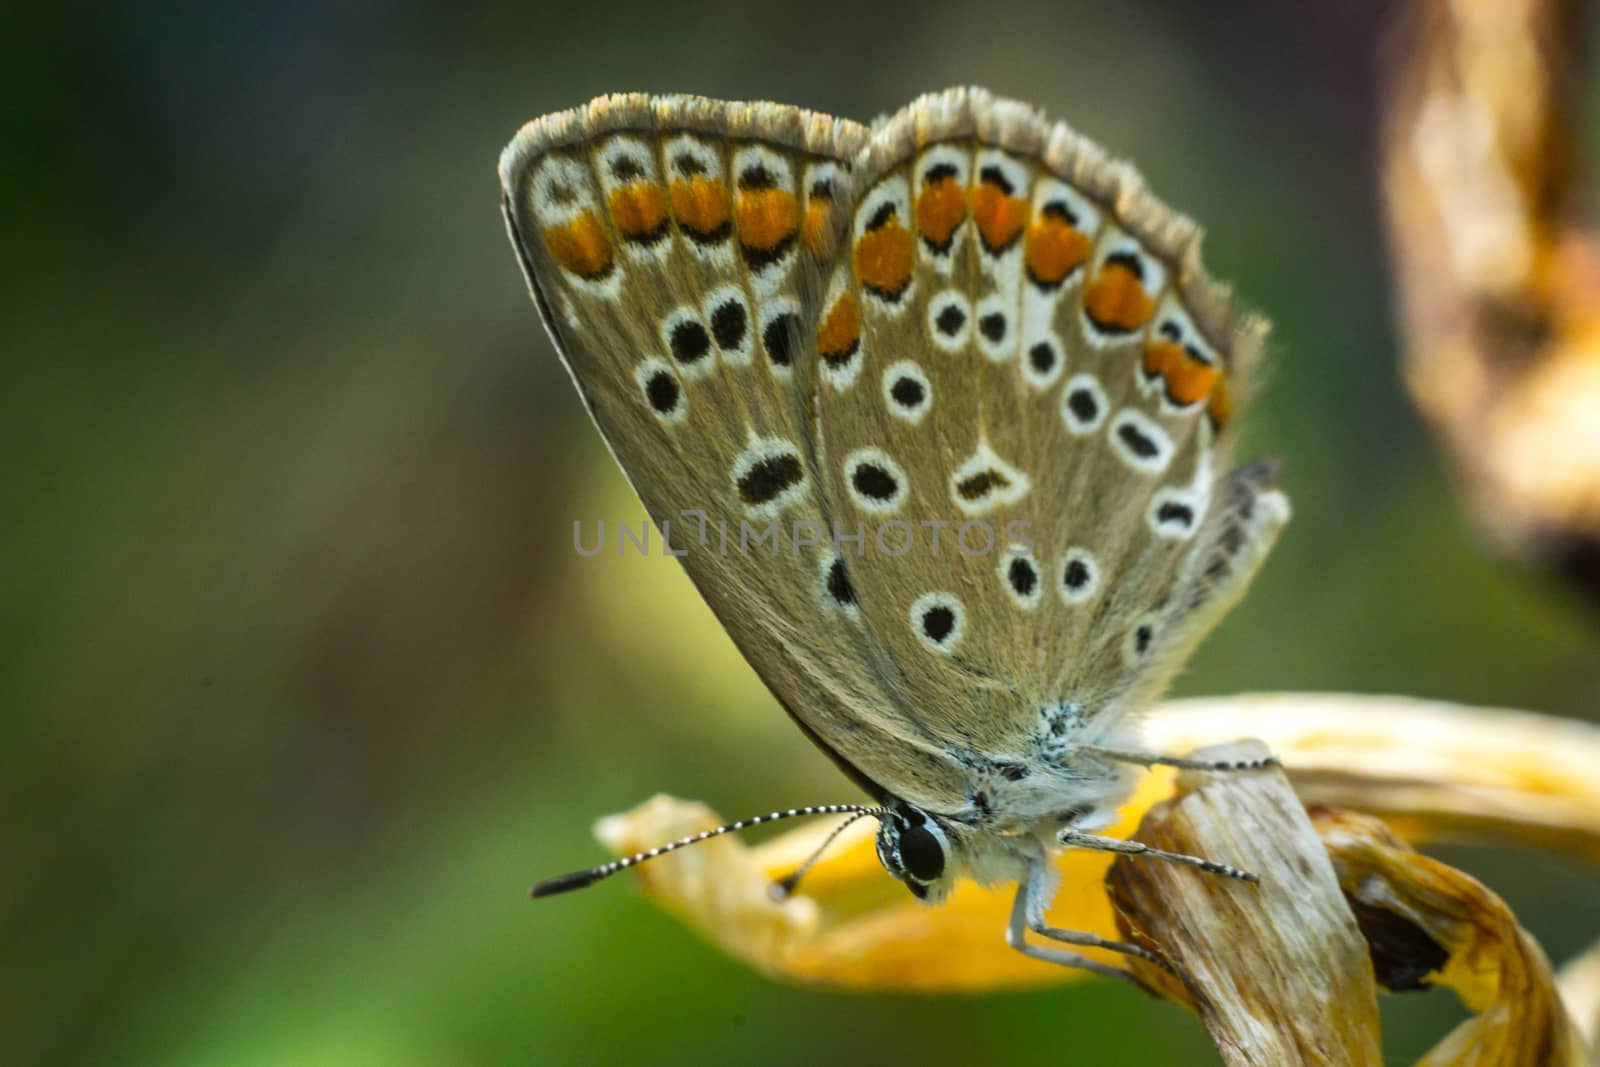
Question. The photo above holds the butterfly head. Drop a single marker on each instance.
(919, 849)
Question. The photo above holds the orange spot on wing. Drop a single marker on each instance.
(941, 207)
(1116, 300)
(581, 246)
(883, 258)
(1000, 217)
(766, 218)
(841, 330)
(818, 231)
(1054, 250)
(701, 205)
(1221, 407)
(1189, 381)
(639, 209)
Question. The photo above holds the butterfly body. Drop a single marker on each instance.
(940, 407)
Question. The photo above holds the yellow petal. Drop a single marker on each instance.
(1432, 770)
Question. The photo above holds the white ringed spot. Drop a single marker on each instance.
(768, 476)
(688, 342)
(875, 482)
(1020, 577)
(1079, 577)
(728, 313)
(939, 621)
(907, 392)
(996, 328)
(1140, 441)
(950, 320)
(780, 335)
(663, 392)
(835, 591)
(1083, 404)
(1173, 514)
(984, 482)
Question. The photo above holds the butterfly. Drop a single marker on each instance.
(941, 409)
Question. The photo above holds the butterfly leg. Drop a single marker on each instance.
(1027, 913)
(1077, 839)
(1152, 759)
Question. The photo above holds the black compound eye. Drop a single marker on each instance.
(921, 854)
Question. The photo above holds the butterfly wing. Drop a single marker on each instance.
(1045, 369)
(675, 248)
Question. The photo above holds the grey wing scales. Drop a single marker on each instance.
(676, 247)
(1043, 360)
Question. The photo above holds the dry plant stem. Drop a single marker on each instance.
(1434, 771)
(1279, 972)
(1499, 290)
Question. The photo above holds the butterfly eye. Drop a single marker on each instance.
(922, 854)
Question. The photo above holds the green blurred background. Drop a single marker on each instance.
(302, 680)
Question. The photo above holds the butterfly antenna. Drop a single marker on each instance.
(782, 889)
(580, 879)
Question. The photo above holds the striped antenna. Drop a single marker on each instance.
(782, 890)
(580, 879)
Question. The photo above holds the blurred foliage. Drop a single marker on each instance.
(302, 680)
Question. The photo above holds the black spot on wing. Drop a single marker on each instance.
(908, 393)
(778, 336)
(977, 486)
(996, 177)
(689, 342)
(872, 480)
(938, 623)
(756, 176)
(839, 587)
(662, 391)
(769, 477)
(1173, 512)
(1023, 576)
(1138, 442)
(1042, 357)
(950, 320)
(1129, 260)
(728, 325)
(1084, 407)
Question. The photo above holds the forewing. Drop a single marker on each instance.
(676, 248)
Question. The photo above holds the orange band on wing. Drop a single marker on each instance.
(818, 231)
(1054, 250)
(1189, 380)
(1000, 218)
(766, 218)
(841, 331)
(1221, 407)
(581, 246)
(941, 207)
(1116, 301)
(883, 259)
(701, 205)
(639, 211)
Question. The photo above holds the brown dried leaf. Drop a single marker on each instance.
(1490, 962)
